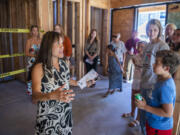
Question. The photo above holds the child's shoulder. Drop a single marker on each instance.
(163, 44)
(169, 84)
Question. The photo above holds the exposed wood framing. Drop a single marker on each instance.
(65, 16)
(58, 12)
(83, 34)
(88, 18)
(73, 34)
(100, 4)
(73, 22)
(77, 47)
(78, 1)
(45, 10)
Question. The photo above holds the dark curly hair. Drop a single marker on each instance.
(170, 59)
(111, 47)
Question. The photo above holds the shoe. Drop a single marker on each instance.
(119, 90)
(112, 92)
(126, 115)
(134, 123)
(92, 86)
(125, 81)
(106, 94)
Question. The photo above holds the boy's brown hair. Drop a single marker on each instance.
(170, 59)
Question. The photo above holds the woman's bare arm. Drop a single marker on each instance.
(37, 95)
(28, 45)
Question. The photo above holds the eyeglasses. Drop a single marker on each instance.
(114, 36)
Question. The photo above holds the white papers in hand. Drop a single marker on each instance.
(89, 61)
(91, 75)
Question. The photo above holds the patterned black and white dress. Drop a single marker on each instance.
(54, 117)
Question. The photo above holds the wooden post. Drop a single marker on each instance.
(80, 51)
(50, 14)
(88, 18)
(73, 35)
(58, 12)
(73, 22)
(107, 14)
(65, 16)
(176, 115)
(83, 35)
(77, 38)
(80, 46)
(45, 14)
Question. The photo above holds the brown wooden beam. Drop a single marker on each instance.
(65, 16)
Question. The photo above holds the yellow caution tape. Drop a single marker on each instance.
(12, 73)
(12, 55)
(14, 30)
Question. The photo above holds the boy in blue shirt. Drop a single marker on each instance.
(160, 103)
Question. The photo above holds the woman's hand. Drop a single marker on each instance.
(90, 83)
(106, 70)
(63, 95)
(141, 104)
(122, 69)
(134, 61)
(91, 58)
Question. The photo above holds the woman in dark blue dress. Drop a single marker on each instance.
(115, 71)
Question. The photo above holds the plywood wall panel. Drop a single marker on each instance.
(15, 14)
(124, 3)
(122, 24)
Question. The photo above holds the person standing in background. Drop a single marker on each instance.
(31, 51)
(66, 43)
(176, 40)
(169, 31)
(115, 71)
(120, 48)
(137, 61)
(148, 77)
(131, 51)
(92, 49)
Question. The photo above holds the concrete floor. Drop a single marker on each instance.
(92, 114)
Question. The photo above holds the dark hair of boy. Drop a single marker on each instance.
(111, 47)
(170, 59)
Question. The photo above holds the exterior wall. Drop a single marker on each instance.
(123, 3)
(122, 25)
